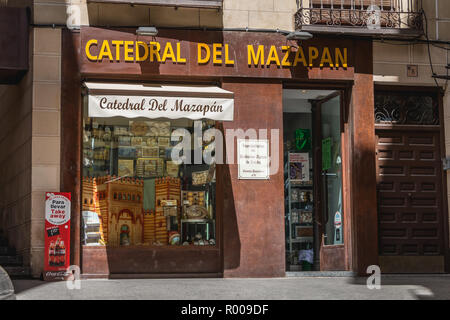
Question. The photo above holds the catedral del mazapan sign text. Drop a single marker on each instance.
(258, 55)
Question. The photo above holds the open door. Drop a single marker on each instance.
(328, 174)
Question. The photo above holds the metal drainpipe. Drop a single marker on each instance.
(437, 18)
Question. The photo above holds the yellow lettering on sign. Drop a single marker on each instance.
(155, 47)
(179, 58)
(105, 50)
(313, 55)
(88, 48)
(168, 53)
(273, 56)
(285, 62)
(117, 44)
(257, 58)
(141, 44)
(227, 58)
(200, 59)
(299, 57)
(217, 53)
(127, 50)
(326, 58)
(341, 58)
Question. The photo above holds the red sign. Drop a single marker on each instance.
(57, 235)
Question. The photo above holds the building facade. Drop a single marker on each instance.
(357, 102)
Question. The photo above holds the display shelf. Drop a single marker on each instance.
(302, 240)
(294, 244)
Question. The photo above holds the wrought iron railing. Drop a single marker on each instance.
(372, 14)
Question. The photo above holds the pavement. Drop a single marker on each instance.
(403, 287)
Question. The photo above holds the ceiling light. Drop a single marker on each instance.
(299, 35)
(147, 31)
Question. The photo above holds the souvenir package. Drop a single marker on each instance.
(127, 152)
(172, 169)
(140, 128)
(305, 217)
(121, 131)
(294, 195)
(159, 128)
(150, 152)
(294, 216)
(150, 167)
(151, 141)
(164, 141)
(136, 141)
(162, 152)
(125, 168)
(200, 177)
(124, 140)
(303, 232)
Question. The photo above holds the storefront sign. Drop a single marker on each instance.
(116, 50)
(253, 159)
(57, 235)
(171, 102)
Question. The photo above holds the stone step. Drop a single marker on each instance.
(10, 260)
(16, 272)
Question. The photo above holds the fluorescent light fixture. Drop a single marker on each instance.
(299, 35)
(147, 31)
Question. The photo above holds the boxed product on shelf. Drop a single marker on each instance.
(127, 152)
(124, 140)
(172, 169)
(199, 177)
(305, 217)
(136, 141)
(191, 198)
(125, 167)
(139, 128)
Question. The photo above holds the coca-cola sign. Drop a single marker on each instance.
(57, 235)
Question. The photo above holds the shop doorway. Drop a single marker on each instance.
(313, 162)
(410, 185)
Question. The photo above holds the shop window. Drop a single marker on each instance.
(166, 203)
(398, 108)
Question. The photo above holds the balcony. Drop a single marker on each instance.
(14, 44)
(374, 18)
(207, 4)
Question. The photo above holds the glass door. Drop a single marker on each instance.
(329, 173)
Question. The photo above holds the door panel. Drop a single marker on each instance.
(409, 179)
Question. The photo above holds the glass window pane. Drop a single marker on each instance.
(135, 194)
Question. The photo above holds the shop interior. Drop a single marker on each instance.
(312, 175)
(135, 194)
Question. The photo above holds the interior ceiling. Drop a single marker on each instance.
(296, 100)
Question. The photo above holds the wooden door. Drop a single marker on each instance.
(410, 203)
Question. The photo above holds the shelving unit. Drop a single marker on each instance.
(295, 208)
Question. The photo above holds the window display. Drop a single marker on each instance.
(134, 193)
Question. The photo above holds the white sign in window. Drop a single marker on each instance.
(253, 159)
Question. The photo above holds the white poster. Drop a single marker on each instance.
(253, 159)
